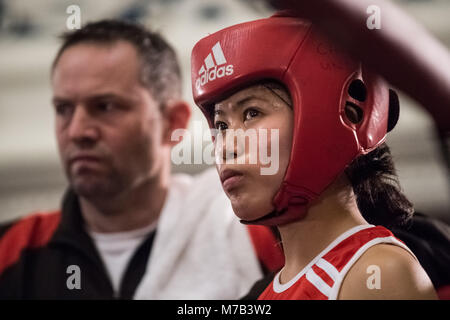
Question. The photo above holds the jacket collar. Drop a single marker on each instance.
(71, 231)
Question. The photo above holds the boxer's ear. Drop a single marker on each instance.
(394, 110)
(177, 114)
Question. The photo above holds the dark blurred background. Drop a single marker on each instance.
(30, 175)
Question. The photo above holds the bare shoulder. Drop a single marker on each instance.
(387, 271)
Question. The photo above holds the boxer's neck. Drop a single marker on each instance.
(328, 217)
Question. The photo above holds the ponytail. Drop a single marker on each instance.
(377, 189)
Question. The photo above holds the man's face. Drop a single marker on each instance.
(108, 126)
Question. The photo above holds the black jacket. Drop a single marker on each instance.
(37, 251)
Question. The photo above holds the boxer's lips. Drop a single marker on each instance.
(230, 179)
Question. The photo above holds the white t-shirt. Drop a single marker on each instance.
(116, 250)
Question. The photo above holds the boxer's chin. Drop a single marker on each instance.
(250, 208)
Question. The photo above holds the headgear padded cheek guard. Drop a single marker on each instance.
(340, 109)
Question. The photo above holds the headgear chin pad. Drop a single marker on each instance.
(341, 109)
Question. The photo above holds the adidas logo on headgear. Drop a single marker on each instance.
(215, 68)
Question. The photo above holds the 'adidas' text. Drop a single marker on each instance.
(215, 68)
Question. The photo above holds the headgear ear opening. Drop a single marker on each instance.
(394, 110)
(357, 90)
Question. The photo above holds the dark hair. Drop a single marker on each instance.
(377, 189)
(160, 71)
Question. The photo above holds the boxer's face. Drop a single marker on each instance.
(255, 110)
(108, 126)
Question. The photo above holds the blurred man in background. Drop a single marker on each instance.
(127, 228)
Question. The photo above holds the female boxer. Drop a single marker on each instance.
(335, 179)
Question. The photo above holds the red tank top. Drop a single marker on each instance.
(322, 278)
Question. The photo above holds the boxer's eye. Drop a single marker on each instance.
(220, 125)
(251, 113)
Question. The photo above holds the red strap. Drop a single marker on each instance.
(444, 292)
(30, 232)
(267, 247)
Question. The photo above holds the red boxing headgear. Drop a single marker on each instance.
(322, 82)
